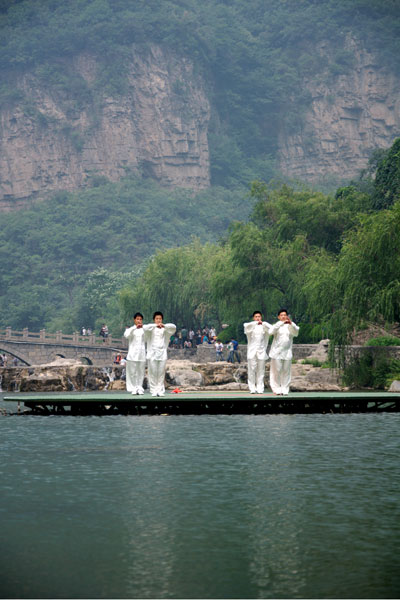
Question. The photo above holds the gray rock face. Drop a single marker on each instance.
(351, 114)
(158, 126)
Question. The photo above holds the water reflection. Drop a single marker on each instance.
(200, 507)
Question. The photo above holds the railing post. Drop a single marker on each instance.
(25, 332)
(42, 334)
(92, 339)
(8, 332)
(75, 337)
(58, 336)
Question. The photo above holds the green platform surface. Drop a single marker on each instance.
(110, 396)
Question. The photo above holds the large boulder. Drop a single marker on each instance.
(306, 378)
(321, 352)
(395, 386)
(220, 373)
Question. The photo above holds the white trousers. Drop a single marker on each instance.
(255, 374)
(134, 370)
(156, 370)
(280, 375)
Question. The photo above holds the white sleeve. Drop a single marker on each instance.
(170, 328)
(248, 327)
(294, 329)
(274, 328)
(128, 332)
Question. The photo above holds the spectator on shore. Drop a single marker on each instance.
(233, 351)
(219, 347)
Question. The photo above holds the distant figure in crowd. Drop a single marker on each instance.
(233, 351)
(157, 338)
(219, 347)
(118, 358)
(281, 353)
(257, 333)
(104, 332)
(184, 333)
(136, 358)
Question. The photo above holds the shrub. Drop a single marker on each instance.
(383, 341)
(367, 371)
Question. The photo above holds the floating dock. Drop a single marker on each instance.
(195, 403)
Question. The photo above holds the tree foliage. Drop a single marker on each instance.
(51, 254)
(334, 261)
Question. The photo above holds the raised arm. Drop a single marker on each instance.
(129, 331)
(274, 328)
(170, 328)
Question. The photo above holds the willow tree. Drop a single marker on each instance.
(361, 285)
(177, 282)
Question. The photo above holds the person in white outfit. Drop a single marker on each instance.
(281, 353)
(136, 358)
(257, 333)
(157, 336)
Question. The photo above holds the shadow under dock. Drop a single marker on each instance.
(190, 403)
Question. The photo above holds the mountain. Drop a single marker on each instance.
(191, 94)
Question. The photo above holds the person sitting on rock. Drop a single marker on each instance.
(281, 353)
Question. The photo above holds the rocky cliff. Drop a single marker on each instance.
(158, 126)
(350, 115)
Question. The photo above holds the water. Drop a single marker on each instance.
(236, 506)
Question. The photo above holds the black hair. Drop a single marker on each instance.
(138, 315)
(281, 310)
(158, 313)
(257, 312)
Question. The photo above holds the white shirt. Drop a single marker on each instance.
(137, 350)
(157, 340)
(257, 339)
(283, 340)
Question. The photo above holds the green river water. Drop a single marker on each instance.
(275, 506)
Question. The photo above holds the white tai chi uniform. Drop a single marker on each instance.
(157, 340)
(136, 360)
(257, 342)
(280, 373)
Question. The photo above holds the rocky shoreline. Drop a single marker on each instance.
(65, 375)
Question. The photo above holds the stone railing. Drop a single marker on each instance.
(74, 339)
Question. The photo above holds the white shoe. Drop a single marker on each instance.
(140, 392)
